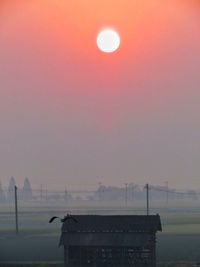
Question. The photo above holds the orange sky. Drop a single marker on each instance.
(76, 23)
(147, 28)
(61, 96)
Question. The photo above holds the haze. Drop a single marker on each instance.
(70, 115)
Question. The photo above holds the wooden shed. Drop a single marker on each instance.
(118, 241)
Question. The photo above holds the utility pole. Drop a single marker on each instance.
(41, 192)
(167, 192)
(100, 184)
(46, 193)
(132, 187)
(65, 196)
(16, 211)
(147, 197)
(126, 194)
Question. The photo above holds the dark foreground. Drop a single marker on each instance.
(42, 250)
(59, 264)
(44, 247)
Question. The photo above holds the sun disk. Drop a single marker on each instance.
(108, 41)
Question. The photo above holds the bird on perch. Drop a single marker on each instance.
(68, 217)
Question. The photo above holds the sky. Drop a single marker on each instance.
(73, 116)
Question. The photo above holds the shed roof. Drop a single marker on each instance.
(113, 223)
(106, 239)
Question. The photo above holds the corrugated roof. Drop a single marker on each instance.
(106, 239)
(113, 223)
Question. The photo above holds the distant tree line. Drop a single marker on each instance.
(8, 195)
(129, 192)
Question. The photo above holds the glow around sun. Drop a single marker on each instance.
(108, 40)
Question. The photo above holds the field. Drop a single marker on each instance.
(37, 242)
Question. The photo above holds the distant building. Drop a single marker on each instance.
(118, 241)
(11, 189)
(26, 192)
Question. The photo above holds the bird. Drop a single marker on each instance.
(53, 218)
(68, 217)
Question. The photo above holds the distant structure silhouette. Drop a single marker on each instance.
(11, 188)
(27, 190)
(2, 195)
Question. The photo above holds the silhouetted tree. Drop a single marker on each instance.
(2, 195)
(11, 188)
(27, 190)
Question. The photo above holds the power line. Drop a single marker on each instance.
(169, 191)
(147, 197)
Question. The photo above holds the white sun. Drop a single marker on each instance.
(108, 41)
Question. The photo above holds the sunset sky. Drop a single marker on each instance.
(73, 115)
